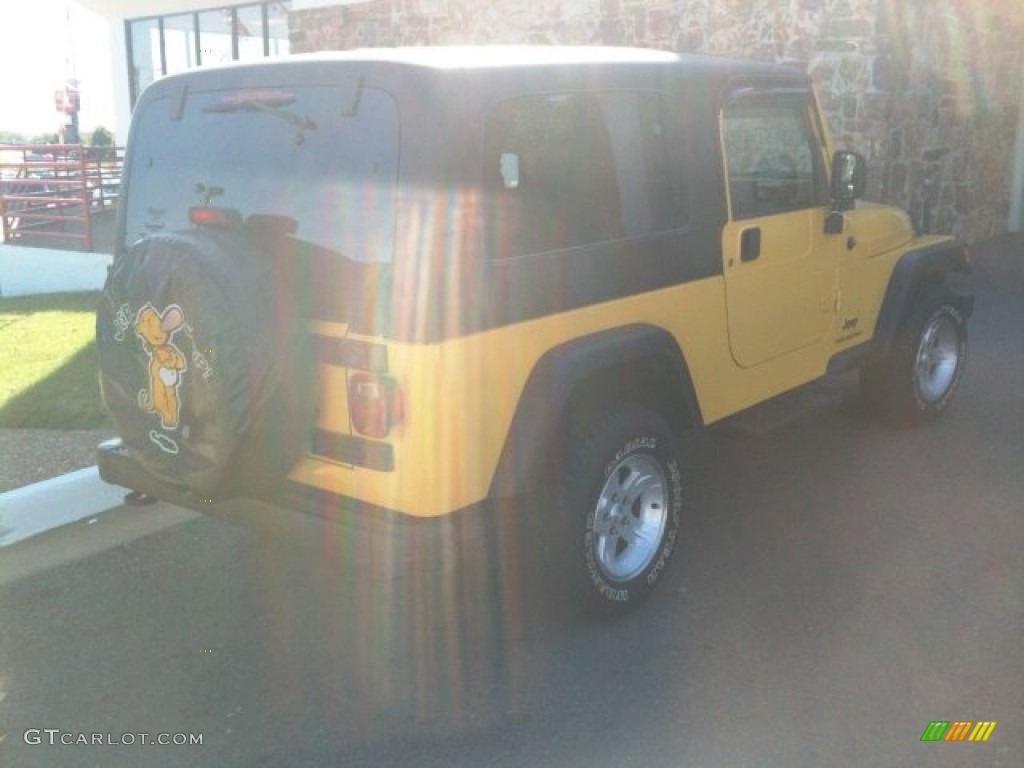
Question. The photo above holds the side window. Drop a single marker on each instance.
(650, 185)
(567, 169)
(770, 159)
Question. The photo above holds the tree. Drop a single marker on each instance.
(101, 137)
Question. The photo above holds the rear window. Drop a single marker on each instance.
(311, 153)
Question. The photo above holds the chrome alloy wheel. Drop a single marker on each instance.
(630, 517)
(938, 355)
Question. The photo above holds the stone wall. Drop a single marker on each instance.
(951, 70)
(928, 90)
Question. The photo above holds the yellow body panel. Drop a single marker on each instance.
(785, 299)
(460, 395)
(762, 327)
(875, 237)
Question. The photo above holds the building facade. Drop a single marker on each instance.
(931, 91)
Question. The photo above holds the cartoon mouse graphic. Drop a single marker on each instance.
(166, 362)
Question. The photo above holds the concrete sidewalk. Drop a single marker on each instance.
(34, 509)
(27, 271)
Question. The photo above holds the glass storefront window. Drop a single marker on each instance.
(215, 46)
(164, 45)
(277, 28)
(145, 65)
(179, 42)
(249, 28)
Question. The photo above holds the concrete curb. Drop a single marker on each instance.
(28, 270)
(31, 510)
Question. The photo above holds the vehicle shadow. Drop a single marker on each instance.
(490, 645)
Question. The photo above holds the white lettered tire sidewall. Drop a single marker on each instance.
(633, 441)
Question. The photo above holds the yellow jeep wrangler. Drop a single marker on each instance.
(386, 289)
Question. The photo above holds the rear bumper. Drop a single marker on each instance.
(385, 542)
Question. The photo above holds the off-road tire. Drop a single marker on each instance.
(622, 498)
(916, 381)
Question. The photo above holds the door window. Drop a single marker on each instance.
(770, 159)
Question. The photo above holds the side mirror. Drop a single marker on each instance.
(849, 179)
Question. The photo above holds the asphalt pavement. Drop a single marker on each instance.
(839, 586)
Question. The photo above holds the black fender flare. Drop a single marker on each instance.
(559, 373)
(913, 270)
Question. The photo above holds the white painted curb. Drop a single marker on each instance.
(33, 509)
(26, 271)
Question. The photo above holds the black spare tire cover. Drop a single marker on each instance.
(205, 364)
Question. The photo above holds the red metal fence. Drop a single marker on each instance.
(53, 190)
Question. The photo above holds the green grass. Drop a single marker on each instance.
(48, 364)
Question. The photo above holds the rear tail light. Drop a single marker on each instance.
(374, 403)
(219, 218)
